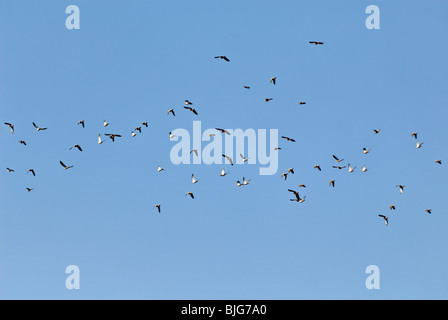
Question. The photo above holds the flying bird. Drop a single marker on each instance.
(192, 110)
(37, 128)
(195, 152)
(284, 175)
(139, 129)
(419, 145)
(350, 168)
(291, 170)
(317, 167)
(81, 123)
(337, 159)
(414, 134)
(9, 170)
(339, 167)
(190, 194)
(302, 186)
(238, 183)
(105, 123)
(228, 159)
(244, 159)
(386, 219)
(401, 187)
(272, 80)
(376, 131)
(246, 87)
(223, 173)
(99, 139)
(145, 124)
(172, 135)
(158, 207)
(439, 161)
(159, 168)
(32, 171)
(365, 150)
(316, 42)
(302, 102)
(29, 189)
(77, 146)
(22, 142)
(193, 180)
(246, 182)
(297, 199)
(429, 211)
(223, 58)
(133, 134)
(11, 126)
(268, 99)
(332, 183)
(364, 169)
(171, 111)
(112, 136)
(64, 166)
(224, 131)
(288, 139)
(392, 207)
(188, 103)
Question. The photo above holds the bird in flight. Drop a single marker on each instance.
(419, 145)
(350, 168)
(246, 87)
(392, 207)
(244, 159)
(145, 124)
(11, 126)
(365, 150)
(193, 180)
(22, 142)
(32, 171)
(133, 134)
(376, 131)
(429, 211)
(112, 136)
(223, 173)
(298, 199)
(195, 152)
(386, 219)
(223, 58)
(316, 42)
(99, 139)
(172, 112)
(438, 161)
(414, 134)
(401, 187)
(288, 139)
(268, 99)
(332, 183)
(172, 135)
(64, 166)
(105, 123)
(285, 175)
(190, 194)
(192, 110)
(238, 183)
(302, 102)
(337, 159)
(159, 168)
(273, 80)
(37, 128)
(224, 131)
(364, 168)
(302, 186)
(77, 146)
(317, 167)
(29, 189)
(339, 167)
(81, 123)
(228, 159)
(158, 207)
(139, 129)
(9, 170)
(246, 182)
(188, 103)
(291, 170)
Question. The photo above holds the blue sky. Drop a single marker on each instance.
(131, 61)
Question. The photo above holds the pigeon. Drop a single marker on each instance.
(288, 139)
(192, 110)
(81, 123)
(171, 111)
(77, 146)
(32, 171)
(37, 128)
(190, 194)
(223, 58)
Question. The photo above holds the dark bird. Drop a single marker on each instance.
(223, 58)
(272, 80)
(298, 199)
(158, 207)
(32, 171)
(288, 139)
(392, 207)
(192, 110)
(113, 136)
(64, 166)
(11, 126)
(77, 146)
(37, 128)
(291, 170)
(9, 170)
(316, 42)
(337, 159)
(386, 219)
(376, 131)
(332, 183)
(439, 161)
(22, 142)
(223, 131)
(229, 159)
(145, 124)
(190, 194)
(414, 134)
(188, 103)
(82, 123)
(429, 211)
(29, 189)
(339, 167)
(302, 102)
(268, 99)
(401, 187)
(317, 167)
(302, 186)
(246, 87)
(171, 111)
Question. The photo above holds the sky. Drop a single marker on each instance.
(131, 61)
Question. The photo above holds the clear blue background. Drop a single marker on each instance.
(133, 60)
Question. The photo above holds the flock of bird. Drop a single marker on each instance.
(244, 182)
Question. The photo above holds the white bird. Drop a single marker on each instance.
(419, 145)
(105, 123)
(246, 182)
(172, 135)
(238, 183)
(159, 168)
(133, 134)
(99, 139)
(365, 151)
(223, 173)
(193, 180)
(350, 168)
(401, 187)
(244, 159)
(364, 169)
(37, 128)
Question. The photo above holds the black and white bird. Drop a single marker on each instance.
(419, 144)
(192, 110)
(64, 166)
(11, 126)
(193, 180)
(246, 182)
(37, 127)
(223, 173)
(223, 58)
(9, 170)
(401, 187)
(337, 159)
(159, 168)
(244, 159)
(228, 159)
(332, 183)
(350, 168)
(105, 123)
(187, 103)
(77, 146)
(386, 219)
(112, 136)
(268, 99)
(365, 150)
(364, 168)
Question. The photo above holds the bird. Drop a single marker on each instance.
(244, 159)
(223, 173)
(238, 183)
(158, 207)
(246, 182)
(392, 207)
(386, 219)
(139, 129)
(192, 110)
(339, 167)
(195, 152)
(268, 99)
(414, 134)
(224, 131)
(172, 112)
(429, 211)
(419, 144)
(350, 168)
(277, 148)
(9, 170)
(11, 126)
(316, 42)
(105, 123)
(332, 183)
(401, 187)
(29, 189)
(246, 87)
(22, 142)
(228, 159)
(302, 186)
(364, 168)
(273, 80)
(145, 124)
(76, 146)
(298, 199)
(317, 167)
(302, 102)
(112, 136)
(32, 171)
(288, 139)
(37, 128)
(193, 180)
(223, 58)
(376, 131)
(172, 135)
(365, 150)
(284, 175)
(337, 159)
(64, 166)
(190, 194)
(133, 134)
(188, 103)
(81, 122)
(291, 170)
(99, 139)
(438, 161)
(159, 168)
